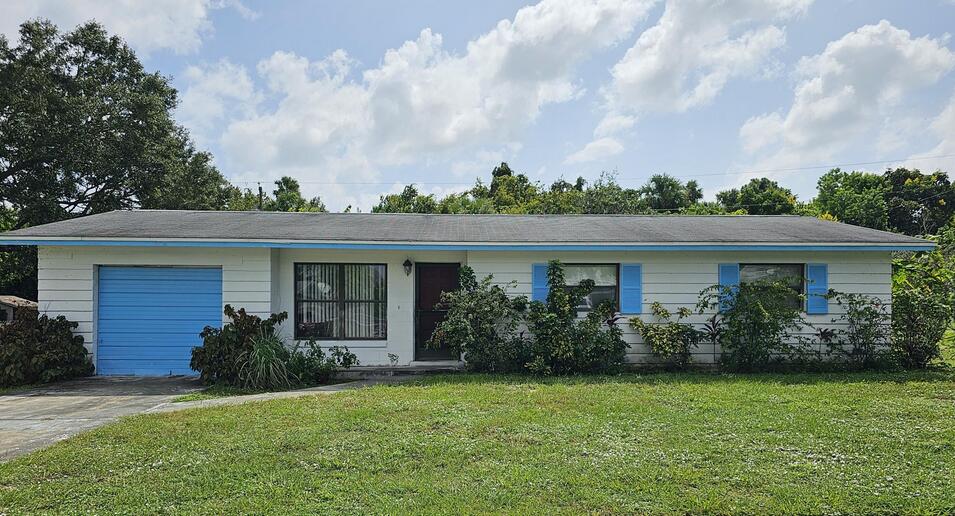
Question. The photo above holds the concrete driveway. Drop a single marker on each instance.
(39, 417)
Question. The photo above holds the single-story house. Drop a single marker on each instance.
(10, 304)
(142, 284)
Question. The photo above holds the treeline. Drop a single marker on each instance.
(901, 200)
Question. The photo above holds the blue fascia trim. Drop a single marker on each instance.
(472, 247)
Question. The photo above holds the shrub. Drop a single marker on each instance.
(37, 349)
(864, 341)
(217, 360)
(262, 366)
(759, 324)
(923, 299)
(311, 366)
(482, 325)
(564, 345)
(673, 341)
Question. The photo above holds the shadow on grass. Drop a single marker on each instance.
(937, 374)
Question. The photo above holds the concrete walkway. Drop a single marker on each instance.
(38, 417)
(265, 396)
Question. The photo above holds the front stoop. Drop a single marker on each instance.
(415, 368)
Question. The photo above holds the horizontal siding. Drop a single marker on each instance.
(676, 279)
(66, 283)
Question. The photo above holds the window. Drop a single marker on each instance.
(789, 273)
(605, 283)
(341, 301)
(4, 315)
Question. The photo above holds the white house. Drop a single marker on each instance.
(9, 306)
(142, 284)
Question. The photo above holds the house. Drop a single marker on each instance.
(142, 284)
(10, 304)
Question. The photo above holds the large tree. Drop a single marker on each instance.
(918, 204)
(760, 196)
(85, 129)
(854, 198)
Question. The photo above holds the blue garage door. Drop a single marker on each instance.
(150, 318)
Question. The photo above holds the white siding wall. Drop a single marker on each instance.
(400, 339)
(67, 277)
(675, 279)
(262, 281)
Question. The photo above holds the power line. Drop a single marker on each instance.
(621, 179)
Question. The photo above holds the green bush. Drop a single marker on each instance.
(673, 341)
(37, 349)
(482, 325)
(864, 341)
(562, 344)
(923, 301)
(759, 325)
(262, 367)
(217, 360)
(311, 366)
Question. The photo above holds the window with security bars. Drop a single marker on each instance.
(341, 301)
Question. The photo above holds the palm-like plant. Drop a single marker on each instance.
(263, 366)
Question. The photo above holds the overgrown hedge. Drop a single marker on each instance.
(37, 349)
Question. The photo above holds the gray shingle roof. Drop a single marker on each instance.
(487, 229)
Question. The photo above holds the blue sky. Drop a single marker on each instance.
(357, 98)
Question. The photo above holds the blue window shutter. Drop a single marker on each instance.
(729, 277)
(631, 288)
(539, 282)
(817, 287)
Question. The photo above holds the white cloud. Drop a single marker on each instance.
(685, 60)
(596, 150)
(845, 93)
(422, 102)
(943, 127)
(218, 92)
(178, 25)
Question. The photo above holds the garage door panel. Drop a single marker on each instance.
(148, 353)
(149, 318)
(159, 313)
(143, 367)
(155, 286)
(114, 340)
(165, 299)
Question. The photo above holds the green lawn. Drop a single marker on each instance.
(656, 443)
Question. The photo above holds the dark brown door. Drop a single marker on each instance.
(431, 279)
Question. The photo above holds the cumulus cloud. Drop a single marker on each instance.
(177, 25)
(846, 92)
(422, 102)
(218, 92)
(686, 59)
(596, 150)
(943, 127)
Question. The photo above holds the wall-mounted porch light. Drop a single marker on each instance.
(407, 265)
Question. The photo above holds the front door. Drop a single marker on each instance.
(431, 279)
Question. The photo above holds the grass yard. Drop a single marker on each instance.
(656, 443)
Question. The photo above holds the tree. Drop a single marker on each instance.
(288, 197)
(854, 198)
(761, 196)
(85, 129)
(408, 201)
(665, 192)
(918, 204)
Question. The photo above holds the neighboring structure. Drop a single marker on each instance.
(142, 284)
(9, 306)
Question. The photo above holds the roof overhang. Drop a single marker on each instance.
(469, 246)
